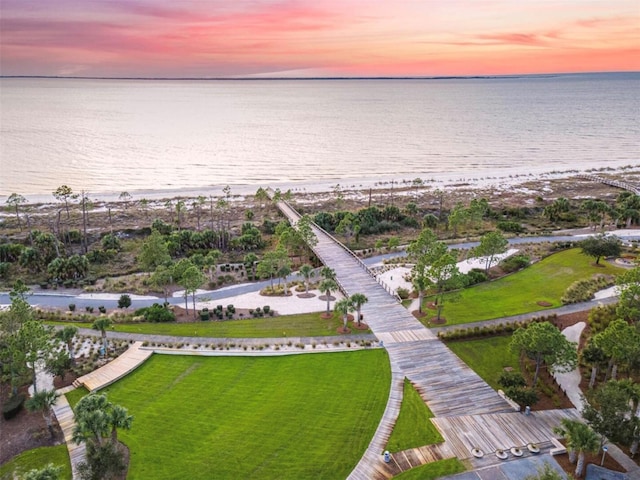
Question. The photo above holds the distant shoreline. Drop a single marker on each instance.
(275, 77)
(451, 181)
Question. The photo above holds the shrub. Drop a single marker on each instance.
(514, 263)
(102, 309)
(157, 313)
(11, 408)
(475, 276)
(266, 309)
(522, 396)
(585, 289)
(89, 309)
(511, 227)
(511, 380)
(124, 301)
(72, 307)
(403, 293)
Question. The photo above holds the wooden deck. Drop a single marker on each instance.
(66, 419)
(447, 385)
(491, 432)
(115, 369)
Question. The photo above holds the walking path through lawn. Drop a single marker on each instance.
(66, 420)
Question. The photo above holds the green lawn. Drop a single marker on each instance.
(545, 281)
(74, 396)
(37, 458)
(301, 325)
(298, 416)
(486, 356)
(433, 470)
(413, 427)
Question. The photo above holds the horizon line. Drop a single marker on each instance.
(366, 77)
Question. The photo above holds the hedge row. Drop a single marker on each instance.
(491, 330)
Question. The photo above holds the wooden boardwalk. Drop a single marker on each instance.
(115, 369)
(446, 383)
(469, 413)
(614, 183)
(491, 432)
(66, 419)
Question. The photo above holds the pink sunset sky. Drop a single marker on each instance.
(220, 38)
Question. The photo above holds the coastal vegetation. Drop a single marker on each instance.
(209, 243)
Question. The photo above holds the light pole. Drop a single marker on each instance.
(604, 454)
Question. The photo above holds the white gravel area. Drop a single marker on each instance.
(289, 305)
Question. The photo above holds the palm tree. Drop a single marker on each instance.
(98, 419)
(43, 401)
(102, 324)
(67, 335)
(283, 272)
(328, 273)
(580, 439)
(344, 306)
(119, 418)
(306, 271)
(327, 286)
(358, 299)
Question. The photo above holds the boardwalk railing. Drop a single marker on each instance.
(388, 289)
(614, 183)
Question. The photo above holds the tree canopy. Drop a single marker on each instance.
(543, 342)
(601, 245)
(491, 245)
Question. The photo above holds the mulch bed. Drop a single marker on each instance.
(25, 431)
(362, 326)
(596, 458)
(324, 297)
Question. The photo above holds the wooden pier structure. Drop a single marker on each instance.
(469, 413)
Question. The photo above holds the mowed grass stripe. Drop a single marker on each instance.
(303, 416)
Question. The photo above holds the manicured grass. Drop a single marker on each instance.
(74, 396)
(297, 416)
(18, 466)
(413, 427)
(545, 281)
(433, 470)
(486, 356)
(302, 325)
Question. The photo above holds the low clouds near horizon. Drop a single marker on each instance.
(154, 38)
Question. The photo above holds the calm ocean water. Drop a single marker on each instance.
(147, 135)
